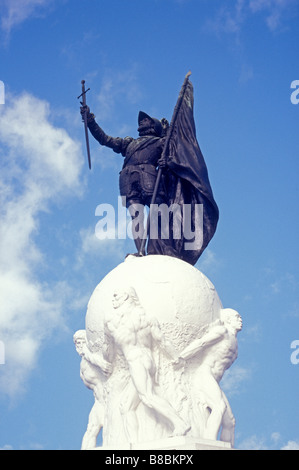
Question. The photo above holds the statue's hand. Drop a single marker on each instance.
(162, 162)
(178, 363)
(106, 368)
(86, 353)
(84, 109)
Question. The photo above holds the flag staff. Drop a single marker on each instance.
(163, 157)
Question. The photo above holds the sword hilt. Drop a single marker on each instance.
(83, 90)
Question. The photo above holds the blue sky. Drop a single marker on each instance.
(134, 55)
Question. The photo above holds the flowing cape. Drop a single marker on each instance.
(188, 182)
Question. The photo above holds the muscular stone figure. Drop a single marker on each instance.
(93, 369)
(216, 351)
(134, 334)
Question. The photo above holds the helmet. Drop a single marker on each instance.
(156, 124)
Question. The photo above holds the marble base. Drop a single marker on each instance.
(174, 443)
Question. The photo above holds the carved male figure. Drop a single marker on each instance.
(134, 334)
(216, 351)
(93, 369)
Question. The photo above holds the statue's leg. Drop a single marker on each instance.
(212, 395)
(95, 424)
(228, 424)
(136, 210)
(128, 406)
(142, 373)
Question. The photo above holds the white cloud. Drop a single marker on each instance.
(6, 447)
(234, 378)
(230, 18)
(39, 164)
(15, 12)
(275, 437)
(92, 248)
(209, 262)
(50, 155)
(291, 445)
(272, 443)
(253, 333)
(253, 443)
(115, 86)
(274, 10)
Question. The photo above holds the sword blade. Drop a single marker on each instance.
(87, 141)
(83, 94)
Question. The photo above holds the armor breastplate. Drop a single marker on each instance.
(144, 150)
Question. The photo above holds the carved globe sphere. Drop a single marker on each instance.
(169, 289)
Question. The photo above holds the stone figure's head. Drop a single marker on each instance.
(231, 318)
(148, 125)
(80, 341)
(120, 296)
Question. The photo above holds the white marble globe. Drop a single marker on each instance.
(169, 289)
(155, 334)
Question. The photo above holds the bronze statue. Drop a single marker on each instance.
(139, 172)
(164, 166)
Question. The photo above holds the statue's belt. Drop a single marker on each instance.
(147, 167)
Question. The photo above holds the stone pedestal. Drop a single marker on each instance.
(182, 443)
